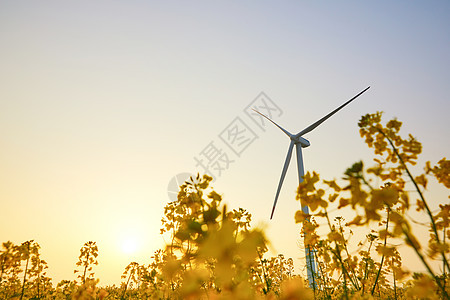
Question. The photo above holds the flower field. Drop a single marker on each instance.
(215, 253)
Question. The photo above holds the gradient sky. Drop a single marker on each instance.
(103, 102)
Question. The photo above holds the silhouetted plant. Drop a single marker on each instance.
(214, 253)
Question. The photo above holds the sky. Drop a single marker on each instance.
(104, 103)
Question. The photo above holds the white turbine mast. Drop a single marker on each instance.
(300, 142)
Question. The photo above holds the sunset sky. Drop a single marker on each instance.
(103, 103)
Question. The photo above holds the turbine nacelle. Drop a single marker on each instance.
(299, 140)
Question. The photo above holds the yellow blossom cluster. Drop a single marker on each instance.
(214, 253)
(387, 207)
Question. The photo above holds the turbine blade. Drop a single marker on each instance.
(284, 130)
(317, 123)
(283, 174)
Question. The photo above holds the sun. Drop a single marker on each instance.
(130, 245)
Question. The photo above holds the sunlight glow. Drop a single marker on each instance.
(130, 245)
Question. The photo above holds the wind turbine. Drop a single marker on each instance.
(300, 142)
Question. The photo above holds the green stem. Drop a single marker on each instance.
(38, 279)
(433, 224)
(337, 254)
(395, 284)
(444, 275)
(382, 258)
(345, 287)
(409, 240)
(86, 264)
(348, 255)
(322, 277)
(267, 288)
(26, 269)
(366, 273)
(126, 285)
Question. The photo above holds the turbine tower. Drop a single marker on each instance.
(300, 142)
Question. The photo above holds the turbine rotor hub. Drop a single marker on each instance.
(302, 141)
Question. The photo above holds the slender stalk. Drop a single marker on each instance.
(343, 267)
(173, 235)
(85, 268)
(322, 277)
(366, 273)
(38, 279)
(395, 285)
(433, 224)
(345, 286)
(267, 288)
(26, 269)
(348, 255)
(409, 240)
(337, 254)
(126, 286)
(443, 275)
(382, 258)
(188, 253)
